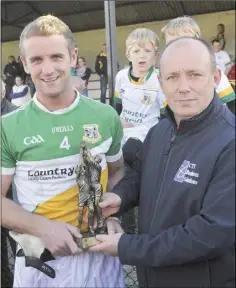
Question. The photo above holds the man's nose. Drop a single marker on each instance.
(47, 67)
(183, 84)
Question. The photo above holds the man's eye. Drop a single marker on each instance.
(36, 60)
(194, 75)
(172, 77)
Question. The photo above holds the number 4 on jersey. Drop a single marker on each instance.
(65, 144)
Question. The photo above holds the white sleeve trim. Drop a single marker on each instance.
(8, 171)
(114, 158)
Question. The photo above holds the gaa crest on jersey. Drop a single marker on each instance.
(147, 99)
(91, 133)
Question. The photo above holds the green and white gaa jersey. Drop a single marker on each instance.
(41, 148)
(142, 102)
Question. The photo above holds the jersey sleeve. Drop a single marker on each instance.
(117, 96)
(225, 90)
(8, 160)
(115, 151)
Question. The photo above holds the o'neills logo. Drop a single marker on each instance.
(50, 174)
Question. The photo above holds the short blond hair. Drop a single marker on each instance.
(181, 24)
(141, 36)
(47, 25)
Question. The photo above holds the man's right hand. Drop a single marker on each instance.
(110, 204)
(58, 238)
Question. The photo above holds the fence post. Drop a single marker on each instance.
(110, 24)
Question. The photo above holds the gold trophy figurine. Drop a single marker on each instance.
(88, 174)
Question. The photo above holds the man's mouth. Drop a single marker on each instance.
(141, 63)
(185, 100)
(49, 80)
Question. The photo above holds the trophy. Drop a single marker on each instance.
(88, 174)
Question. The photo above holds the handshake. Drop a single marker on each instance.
(56, 238)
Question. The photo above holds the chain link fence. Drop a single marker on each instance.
(8, 248)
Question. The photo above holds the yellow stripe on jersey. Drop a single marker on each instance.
(116, 94)
(136, 82)
(226, 92)
(64, 206)
(165, 103)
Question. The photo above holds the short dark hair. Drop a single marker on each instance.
(204, 42)
(19, 76)
(215, 40)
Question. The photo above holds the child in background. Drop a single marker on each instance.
(20, 93)
(137, 87)
(186, 26)
(77, 82)
(84, 73)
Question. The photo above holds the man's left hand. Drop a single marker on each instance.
(108, 245)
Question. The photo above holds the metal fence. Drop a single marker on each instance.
(129, 221)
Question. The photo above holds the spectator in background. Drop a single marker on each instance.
(137, 87)
(10, 71)
(221, 35)
(78, 84)
(6, 106)
(101, 70)
(185, 26)
(29, 82)
(20, 69)
(222, 57)
(20, 93)
(84, 73)
(6, 274)
(231, 77)
(231, 74)
(138, 90)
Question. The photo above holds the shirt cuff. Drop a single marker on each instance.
(8, 171)
(114, 158)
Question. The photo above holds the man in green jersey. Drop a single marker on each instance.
(40, 150)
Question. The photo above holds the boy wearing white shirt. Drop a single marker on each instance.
(137, 87)
(222, 57)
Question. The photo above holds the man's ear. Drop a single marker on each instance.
(217, 76)
(74, 56)
(24, 64)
